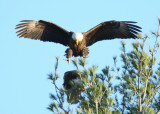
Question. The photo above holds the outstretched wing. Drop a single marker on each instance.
(43, 30)
(111, 30)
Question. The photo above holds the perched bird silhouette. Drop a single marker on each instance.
(73, 85)
(77, 42)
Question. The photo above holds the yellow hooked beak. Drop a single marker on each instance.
(77, 42)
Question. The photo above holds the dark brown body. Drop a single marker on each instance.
(77, 50)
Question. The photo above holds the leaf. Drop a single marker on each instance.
(75, 63)
(56, 65)
(82, 62)
(53, 97)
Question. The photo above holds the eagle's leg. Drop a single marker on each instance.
(69, 54)
(85, 52)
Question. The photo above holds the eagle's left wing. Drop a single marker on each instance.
(111, 30)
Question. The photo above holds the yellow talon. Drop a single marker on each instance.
(67, 60)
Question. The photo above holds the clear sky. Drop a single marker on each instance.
(25, 63)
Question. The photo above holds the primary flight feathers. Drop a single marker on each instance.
(43, 30)
(48, 31)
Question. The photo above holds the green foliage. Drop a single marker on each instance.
(139, 79)
(132, 88)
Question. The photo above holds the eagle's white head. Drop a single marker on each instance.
(78, 37)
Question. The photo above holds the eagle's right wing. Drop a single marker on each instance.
(43, 30)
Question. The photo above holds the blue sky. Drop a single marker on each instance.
(25, 63)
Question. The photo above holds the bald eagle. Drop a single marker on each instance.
(77, 42)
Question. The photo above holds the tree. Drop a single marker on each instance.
(137, 88)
